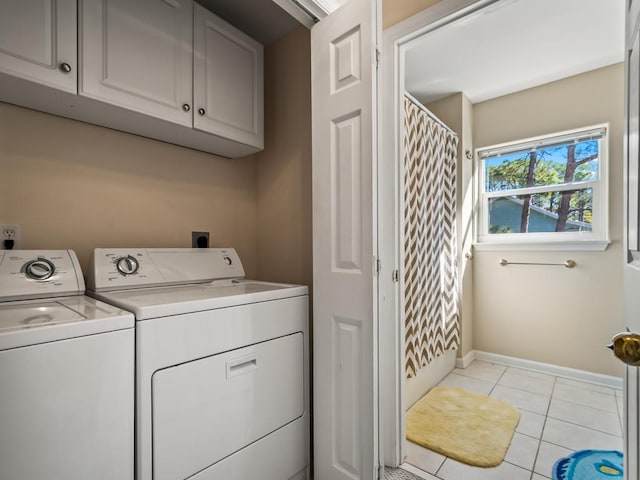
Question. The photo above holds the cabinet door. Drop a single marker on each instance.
(138, 55)
(228, 80)
(38, 41)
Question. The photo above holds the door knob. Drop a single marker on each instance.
(626, 346)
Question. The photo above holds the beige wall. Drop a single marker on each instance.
(284, 167)
(553, 314)
(394, 11)
(74, 185)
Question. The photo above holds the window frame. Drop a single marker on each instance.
(596, 239)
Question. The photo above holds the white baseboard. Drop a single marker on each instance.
(548, 368)
(465, 361)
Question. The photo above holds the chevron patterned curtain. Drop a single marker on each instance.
(429, 260)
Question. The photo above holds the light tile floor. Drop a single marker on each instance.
(557, 416)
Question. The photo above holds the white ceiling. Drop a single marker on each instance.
(515, 45)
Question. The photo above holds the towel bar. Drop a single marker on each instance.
(566, 263)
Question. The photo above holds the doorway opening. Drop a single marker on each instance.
(491, 71)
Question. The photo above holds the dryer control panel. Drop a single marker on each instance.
(26, 274)
(120, 268)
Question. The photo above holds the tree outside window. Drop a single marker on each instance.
(548, 185)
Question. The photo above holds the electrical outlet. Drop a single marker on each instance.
(200, 239)
(9, 233)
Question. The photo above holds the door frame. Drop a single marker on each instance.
(395, 40)
(631, 269)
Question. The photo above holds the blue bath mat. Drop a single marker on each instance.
(589, 465)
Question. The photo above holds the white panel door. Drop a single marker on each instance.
(227, 80)
(632, 238)
(344, 243)
(138, 55)
(38, 42)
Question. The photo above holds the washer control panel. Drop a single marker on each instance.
(28, 274)
(120, 268)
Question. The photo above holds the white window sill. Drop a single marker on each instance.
(549, 246)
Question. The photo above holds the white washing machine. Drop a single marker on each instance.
(222, 364)
(66, 374)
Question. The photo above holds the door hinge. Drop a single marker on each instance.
(378, 55)
(377, 265)
(395, 276)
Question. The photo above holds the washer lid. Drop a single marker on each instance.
(31, 322)
(157, 302)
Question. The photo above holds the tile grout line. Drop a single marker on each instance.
(498, 381)
(440, 468)
(582, 426)
(564, 400)
(578, 424)
(570, 422)
(544, 424)
(620, 413)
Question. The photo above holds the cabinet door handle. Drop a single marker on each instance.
(65, 67)
(201, 111)
(186, 107)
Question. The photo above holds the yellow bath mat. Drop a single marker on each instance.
(471, 428)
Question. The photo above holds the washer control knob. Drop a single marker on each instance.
(40, 269)
(127, 265)
(227, 260)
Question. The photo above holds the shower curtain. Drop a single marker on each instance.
(429, 259)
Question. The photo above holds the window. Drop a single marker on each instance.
(547, 191)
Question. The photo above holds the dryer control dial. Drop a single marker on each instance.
(40, 269)
(127, 265)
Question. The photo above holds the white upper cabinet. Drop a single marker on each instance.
(228, 81)
(38, 41)
(138, 55)
(156, 68)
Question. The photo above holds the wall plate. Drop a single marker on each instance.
(200, 239)
(10, 232)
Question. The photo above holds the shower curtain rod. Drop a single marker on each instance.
(417, 103)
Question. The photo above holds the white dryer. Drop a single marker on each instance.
(66, 374)
(222, 364)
